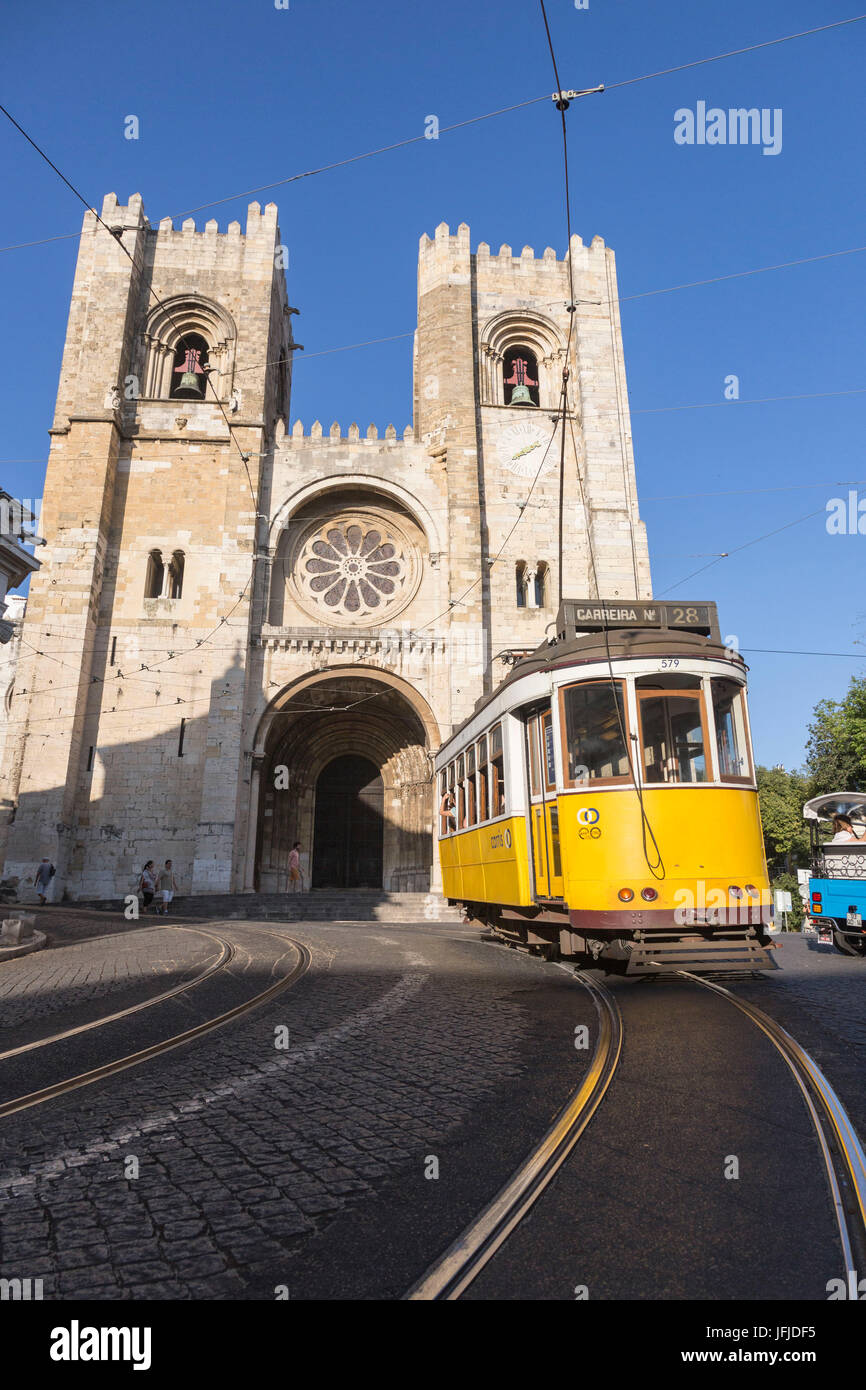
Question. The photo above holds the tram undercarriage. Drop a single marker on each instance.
(551, 935)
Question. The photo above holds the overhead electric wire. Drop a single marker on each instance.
(417, 139)
(118, 238)
(457, 602)
(475, 120)
(745, 546)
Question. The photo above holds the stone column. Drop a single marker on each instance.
(252, 825)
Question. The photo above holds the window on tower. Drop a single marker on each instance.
(188, 375)
(155, 575)
(520, 377)
(164, 579)
(520, 583)
(174, 588)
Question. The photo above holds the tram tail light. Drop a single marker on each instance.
(816, 897)
(817, 909)
(649, 895)
(625, 895)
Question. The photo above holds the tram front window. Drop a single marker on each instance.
(730, 731)
(673, 738)
(594, 725)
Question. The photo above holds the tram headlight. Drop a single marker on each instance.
(625, 895)
(734, 891)
(752, 891)
(649, 895)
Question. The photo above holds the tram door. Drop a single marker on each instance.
(544, 813)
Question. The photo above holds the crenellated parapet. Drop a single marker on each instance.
(335, 435)
(444, 245)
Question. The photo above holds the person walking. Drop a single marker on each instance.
(42, 879)
(147, 885)
(167, 888)
(295, 876)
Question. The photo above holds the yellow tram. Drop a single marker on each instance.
(600, 804)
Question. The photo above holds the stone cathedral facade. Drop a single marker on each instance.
(247, 632)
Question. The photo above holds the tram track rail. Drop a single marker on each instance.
(135, 1058)
(226, 956)
(464, 1260)
(841, 1150)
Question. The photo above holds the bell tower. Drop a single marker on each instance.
(495, 333)
(125, 729)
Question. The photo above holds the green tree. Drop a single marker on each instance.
(836, 749)
(786, 837)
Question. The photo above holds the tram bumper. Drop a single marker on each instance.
(660, 941)
(700, 955)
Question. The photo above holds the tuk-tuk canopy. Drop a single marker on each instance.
(850, 804)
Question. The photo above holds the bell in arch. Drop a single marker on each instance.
(520, 382)
(192, 375)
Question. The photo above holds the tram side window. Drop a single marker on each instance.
(731, 738)
(672, 732)
(497, 772)
(482, 778)
(593, 723)
(445, 823)
(451, 824)
(461, 792)
(534, 772)
(470, 786)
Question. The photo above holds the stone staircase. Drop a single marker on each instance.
(322, 905)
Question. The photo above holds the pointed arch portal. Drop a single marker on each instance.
(346, 770)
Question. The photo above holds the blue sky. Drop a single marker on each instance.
(233, 95)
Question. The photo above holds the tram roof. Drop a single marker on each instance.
(590, 647)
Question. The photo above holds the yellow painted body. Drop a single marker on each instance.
(488, 864)
(709, 837)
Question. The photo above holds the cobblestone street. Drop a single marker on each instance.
(334, 1140)
(397, 1038)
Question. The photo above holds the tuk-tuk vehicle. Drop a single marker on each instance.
(837, 881)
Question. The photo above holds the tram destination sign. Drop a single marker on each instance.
(594, 615)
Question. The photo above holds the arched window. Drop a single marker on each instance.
(155, 575)
(175, 575)
(520, 580)
(189, 372)
(520, 336)
(164, 580)
(185, 335)
(541, 584)
(520, 377)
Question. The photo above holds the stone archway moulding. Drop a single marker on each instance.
(369, 482)
(402, 687)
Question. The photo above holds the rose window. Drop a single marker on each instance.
(354, 568)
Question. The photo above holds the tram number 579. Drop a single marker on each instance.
(669, 661)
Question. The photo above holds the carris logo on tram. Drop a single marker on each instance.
(587, 819)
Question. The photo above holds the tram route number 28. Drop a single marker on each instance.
(686, 615)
